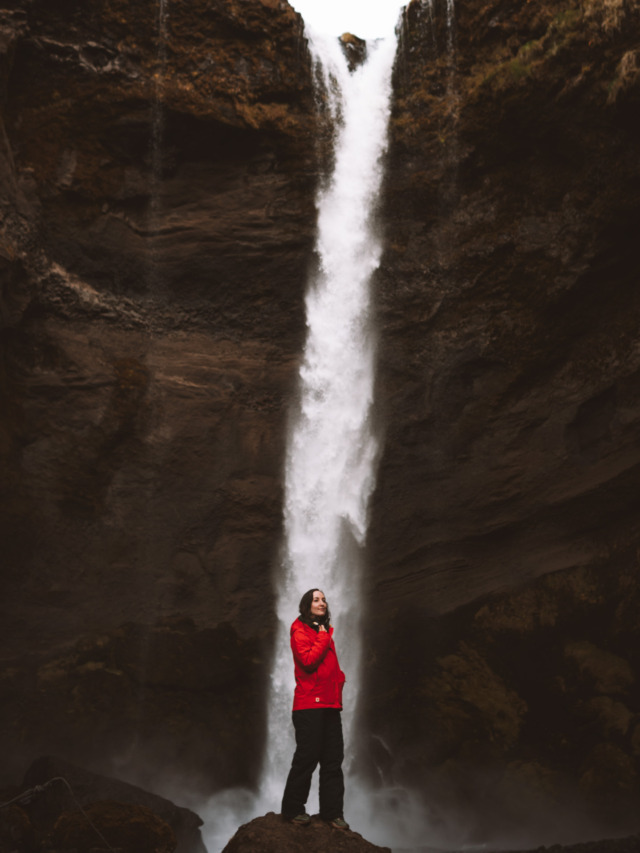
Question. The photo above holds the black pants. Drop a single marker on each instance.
(318, 739)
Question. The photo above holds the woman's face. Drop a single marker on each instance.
(319, 604)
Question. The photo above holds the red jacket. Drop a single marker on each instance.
(319, 679)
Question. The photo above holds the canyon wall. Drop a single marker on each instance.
(505, 527)
(159, 179)
(158, 167)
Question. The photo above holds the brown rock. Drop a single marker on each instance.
(470, 353)
(158, 183)
(610, 779)
(609, 673)
(127, 688)
(472, 698)
(614, 717)
(506, 511)
(271, 834)
(354, 48)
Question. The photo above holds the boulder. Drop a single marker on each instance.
(272, 834)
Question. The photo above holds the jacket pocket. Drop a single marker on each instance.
(308, 684)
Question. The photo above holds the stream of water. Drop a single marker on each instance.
(332, 451)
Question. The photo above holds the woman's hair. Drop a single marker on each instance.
(305, 608)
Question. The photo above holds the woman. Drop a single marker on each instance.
(317, 704)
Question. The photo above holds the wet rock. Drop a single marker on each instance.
(271, 834)
(355, 50)
(505, 515)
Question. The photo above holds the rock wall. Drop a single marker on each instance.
(505, 526)
(158, 216)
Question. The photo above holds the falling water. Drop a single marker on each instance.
(332, 450)
(156, 149)
(451, 30)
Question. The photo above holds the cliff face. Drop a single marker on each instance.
(158, 165)
(158, 176)
(504, 533)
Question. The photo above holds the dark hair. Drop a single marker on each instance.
(305, 608)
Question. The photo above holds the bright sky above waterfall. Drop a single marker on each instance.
(364, 18)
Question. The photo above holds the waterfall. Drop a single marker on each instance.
(451, 30)
(332, 452)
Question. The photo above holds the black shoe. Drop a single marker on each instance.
(300, 819)
(339, 823)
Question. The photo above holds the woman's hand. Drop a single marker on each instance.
(322, 628)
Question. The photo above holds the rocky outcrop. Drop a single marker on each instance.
(504, 530)
(354, 49)
(271, 834)
(158, 179)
